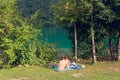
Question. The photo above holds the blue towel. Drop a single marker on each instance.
(72, 67)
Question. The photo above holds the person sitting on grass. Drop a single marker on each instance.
(61, 65)
(64, 64)
(67, 61)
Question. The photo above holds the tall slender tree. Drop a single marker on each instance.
(92, 31)
(94, 8)
(68, 12)
(112, 22)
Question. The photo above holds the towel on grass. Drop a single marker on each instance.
(72, 67)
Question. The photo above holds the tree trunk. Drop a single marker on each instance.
(111, 48)
(94, 59)
(93, 47)
(75, 37)
(118, 47)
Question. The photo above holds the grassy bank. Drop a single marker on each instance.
(99, 71)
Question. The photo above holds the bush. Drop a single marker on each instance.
(84, 50)
(46, 53)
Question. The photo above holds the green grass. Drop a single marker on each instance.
(99, 71)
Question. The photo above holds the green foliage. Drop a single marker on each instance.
(27, 54)
(18, 36)
(102, 49)
(37, 53)
(84, 50)
(6, 14)
(66, 12)
(45, 52)
(7, 9)
(18, 41)
(38, 12)
(21, 47)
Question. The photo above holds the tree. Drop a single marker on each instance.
(111, 20)
(67, 13)
(7, 10)
(14, 31)
(116, 8)
(93, 7)
(37, 12)
(76, 12)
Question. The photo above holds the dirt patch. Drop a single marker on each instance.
(22, 78)
(78, 75)
(113, 68)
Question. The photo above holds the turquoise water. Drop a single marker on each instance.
(58, 36)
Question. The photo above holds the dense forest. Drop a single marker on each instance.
(93, 27)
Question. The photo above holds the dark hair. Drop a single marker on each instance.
(61, 58)
(65, 57)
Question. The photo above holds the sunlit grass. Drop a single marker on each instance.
(99, 71)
